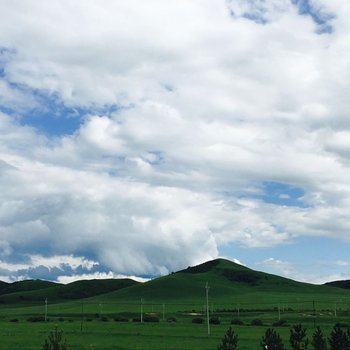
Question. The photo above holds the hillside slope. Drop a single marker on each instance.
(60, 292)
(229, 284)
(345, 284)
(26, 286)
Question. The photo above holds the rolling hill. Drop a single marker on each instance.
(345, 284)
(230, 284)
(25, 286)
(32, 291)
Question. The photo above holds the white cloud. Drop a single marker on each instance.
(60, 262)
(342, 263)
(97, 275)
(209, 109)
(284, 268)
(236, 261)
(313, 274)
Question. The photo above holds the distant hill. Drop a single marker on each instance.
(24, 286)
(3, 285)
(229, 284)
(37, 290)
(345, 284)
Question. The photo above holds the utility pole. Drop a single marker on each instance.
(207, 295)
(141, 319)
(82, 317)
(45, 309)
(313, 305)
(279, 313)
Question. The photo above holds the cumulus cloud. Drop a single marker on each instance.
(313, 274)
(46, 267)
(193, 119)
(98, 275)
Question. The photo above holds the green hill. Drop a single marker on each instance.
(345, 284)
(230, 284)
(58, 292)
(3, 285)
(24, 286)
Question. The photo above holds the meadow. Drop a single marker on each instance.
(168, 307)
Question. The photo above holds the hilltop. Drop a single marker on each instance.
(230, 284)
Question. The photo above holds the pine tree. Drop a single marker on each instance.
(272, 340)
(318, 340)
(230, 340)
(338, 339)
(55, 341)
(297, 338)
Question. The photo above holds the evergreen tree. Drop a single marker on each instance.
(55, 341)
(339, 339)
(230, 340)
(272, 340)
(318, 340)
(297, 338)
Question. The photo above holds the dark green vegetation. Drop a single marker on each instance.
(55, 341)
(230, 340)
(340, 284)
(32, 291)
(106, 314)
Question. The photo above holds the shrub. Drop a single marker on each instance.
(104, 319)
(55, 341)
(236, 321)
(136, 319)
(36, 319)
(280, 323)
(171, 319)
(230, 340)
(257, 322)
(271, 340)
(214, 320)
(121, 319)
(14, 320)
(61, 319)
(149, 318)
(342, 324)
(197, 320)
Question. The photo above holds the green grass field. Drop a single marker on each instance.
(235, 293)
(90, 332)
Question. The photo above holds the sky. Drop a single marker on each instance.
(141, 137)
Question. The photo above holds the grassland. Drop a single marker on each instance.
(235, 293)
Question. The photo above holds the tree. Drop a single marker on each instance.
(318, 340)
(297, 338)
(338, 339)
(230, 340)
(55, 341)
(272, 340)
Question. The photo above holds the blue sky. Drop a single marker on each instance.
(131, 145)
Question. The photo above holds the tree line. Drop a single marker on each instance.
(339, 339)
